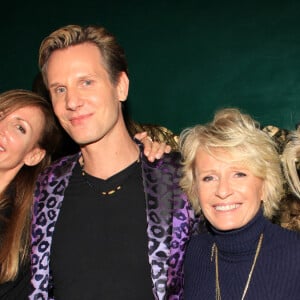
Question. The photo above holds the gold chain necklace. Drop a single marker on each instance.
(104, 193)
(214, 252)
(91, 185)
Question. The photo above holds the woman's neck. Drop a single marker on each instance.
(242, 239)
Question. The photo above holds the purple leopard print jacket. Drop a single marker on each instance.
(170, 222)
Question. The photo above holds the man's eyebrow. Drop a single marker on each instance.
(55, 84)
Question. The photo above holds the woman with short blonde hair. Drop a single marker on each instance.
(241, 136)
(232, 175)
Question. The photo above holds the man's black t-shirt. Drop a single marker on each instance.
(100, 244)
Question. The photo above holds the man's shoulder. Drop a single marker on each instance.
(61, 165)
(172, 159)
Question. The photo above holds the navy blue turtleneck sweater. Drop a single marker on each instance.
(276, 275)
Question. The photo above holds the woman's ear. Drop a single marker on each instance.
(263, 192)
(34, 156)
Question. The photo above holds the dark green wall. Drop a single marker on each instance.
(187, 58)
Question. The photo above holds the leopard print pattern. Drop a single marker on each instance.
(169, 224)
(48, 199)
(170, 221)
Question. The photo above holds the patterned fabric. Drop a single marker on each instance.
(170, 222)
(157, 133)
(279, 135)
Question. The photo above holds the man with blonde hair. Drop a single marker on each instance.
(108, 224)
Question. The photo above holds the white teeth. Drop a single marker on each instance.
(1, 149)
(226, 207)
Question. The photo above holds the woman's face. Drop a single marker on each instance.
(229, 194)
(19, 133)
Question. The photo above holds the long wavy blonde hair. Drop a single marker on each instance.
(16, 199)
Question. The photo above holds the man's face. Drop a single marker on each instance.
(84, 99)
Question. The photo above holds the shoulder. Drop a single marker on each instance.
(199, 244)
(281, 249)
(283, 239)
(60, 166)
(170, 163)
(173, 158)
(57, 174)
(19, 287)
(156, 132)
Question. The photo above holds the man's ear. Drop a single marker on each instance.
(34, 156)
(123, 86)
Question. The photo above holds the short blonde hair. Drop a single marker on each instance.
(239, 135)
(112, 53)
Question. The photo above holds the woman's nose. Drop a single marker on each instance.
(224, 189)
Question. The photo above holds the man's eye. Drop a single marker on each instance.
(60, 90)
(87, 82)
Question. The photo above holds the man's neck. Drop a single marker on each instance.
(104, 158)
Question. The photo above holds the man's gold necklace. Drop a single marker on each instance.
(91, 185)
(214, 252)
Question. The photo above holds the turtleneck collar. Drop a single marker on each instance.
(239, 241)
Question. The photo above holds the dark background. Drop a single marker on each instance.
(186, 58)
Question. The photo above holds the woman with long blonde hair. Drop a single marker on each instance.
(28, 137)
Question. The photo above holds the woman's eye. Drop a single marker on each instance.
(207, 178)
(240, 174)
(21, 129)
